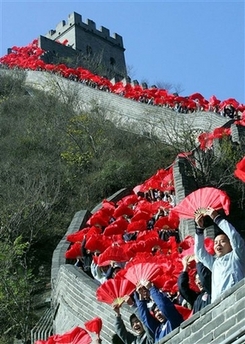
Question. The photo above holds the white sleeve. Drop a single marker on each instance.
(203, 256)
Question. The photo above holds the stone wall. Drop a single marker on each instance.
(127, 114)
(221, 322)
(87, 41)
(73, 292)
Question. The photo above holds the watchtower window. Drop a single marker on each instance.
(89, 50)
(112, 61)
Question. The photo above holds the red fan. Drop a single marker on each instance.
(123, 210)
(141, 215)
(98, 242)
(159, 204)
(114, 291)
(74, 251)
(77, 236)
(142, 271)
(221, 132)
(184, 311)
(165, 222)
(109, 206)
(100, 218)
(75, 336)
(116, 227)
(240, 170)
(115, 253)
(137, 226)
(128, 200)
(85, 232)
(202, 199)
(94, 325)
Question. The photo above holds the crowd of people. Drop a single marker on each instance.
(174, 278)
(192, 274)
(32, 57)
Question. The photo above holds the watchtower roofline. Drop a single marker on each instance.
(75, 19)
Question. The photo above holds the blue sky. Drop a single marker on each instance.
(197, 46)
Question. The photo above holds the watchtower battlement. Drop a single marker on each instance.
(88, 26)
(95, 49)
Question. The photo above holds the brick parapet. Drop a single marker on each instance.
(215, 323)
(75, 19)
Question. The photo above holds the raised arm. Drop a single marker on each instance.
(200, 252)
(183, 283)
(120, 329)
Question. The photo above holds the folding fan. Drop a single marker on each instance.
(75, 336)
(187, 246)
(137, 226)
(114, 291)
(100, 218)
(141, 215)
(200, 200)
(128, 200)
(159, 204)
(205, 140)
(240, 170)
(184, 311)
(142, 271)
(116, 227)
(94, 325)
(220, 132)
(166, 222)
(74, 251)
(108, 205)
(123, 210)
(79, 235)
(113, 252)
(98, 242)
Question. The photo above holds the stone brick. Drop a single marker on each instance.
(219, 339)
(221, 327)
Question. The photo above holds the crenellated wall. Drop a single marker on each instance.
(89, 26)
(88, 43)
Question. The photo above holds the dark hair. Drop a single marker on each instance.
(220, 232)
(153, 307)
(132, 316)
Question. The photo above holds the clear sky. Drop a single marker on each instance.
(197, 46)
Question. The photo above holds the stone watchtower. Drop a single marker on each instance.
(85, 46)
